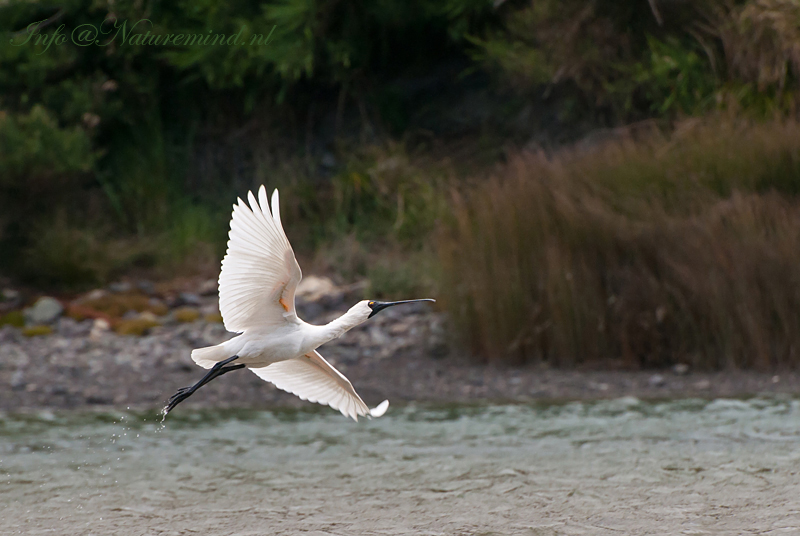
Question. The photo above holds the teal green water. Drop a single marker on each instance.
(689, 466)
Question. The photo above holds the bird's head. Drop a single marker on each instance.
(369, 308)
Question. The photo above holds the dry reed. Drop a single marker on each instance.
(649, 250)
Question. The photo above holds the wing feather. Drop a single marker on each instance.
(259, 273)
(312, 378)
(276, 210)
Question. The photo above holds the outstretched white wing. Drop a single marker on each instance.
(312, 378)
(259, 272)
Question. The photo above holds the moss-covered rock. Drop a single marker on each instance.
(213, 318)
(35, 331)
(136, 326)
(80, 312)
(116, 305)
(186, 314)
(13, 318)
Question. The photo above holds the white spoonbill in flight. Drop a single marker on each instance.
(257, 283)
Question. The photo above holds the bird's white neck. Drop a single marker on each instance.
(337, 328)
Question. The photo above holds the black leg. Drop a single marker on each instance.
(225, 370)
(185, 392)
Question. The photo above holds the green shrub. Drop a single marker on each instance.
(36, 152)
(116, 135)
(146, 145)
(59, 253)
(41, 166)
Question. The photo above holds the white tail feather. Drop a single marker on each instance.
(209, 356)
(379, 410)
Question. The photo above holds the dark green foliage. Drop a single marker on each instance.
(146, 144)
(109, 133)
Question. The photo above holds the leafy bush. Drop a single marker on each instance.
(41, 164)
(123, 128)
(145, 145)
(33, 149)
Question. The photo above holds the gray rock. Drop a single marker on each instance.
(9, 294)
(155, 302)
(681, 369)
(45, 311)
(702, 384)
(99, 327)
(57, 389)
(9, 299)
(147, 315)
(67, 327)
(96, 294)
(656, 380)
(8, 334)
(208, 287)
(328, 161)
(146, 286)
(18, 380)
(119, 287)
(188, 298)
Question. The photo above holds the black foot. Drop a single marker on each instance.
(182, 394)
(185, 392)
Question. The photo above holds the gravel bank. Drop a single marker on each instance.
(400, 355)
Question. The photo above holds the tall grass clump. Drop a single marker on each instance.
(648, 249)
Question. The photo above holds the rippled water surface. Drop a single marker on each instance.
(612, 467)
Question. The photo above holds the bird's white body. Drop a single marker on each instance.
(257, 284)
(261, 347)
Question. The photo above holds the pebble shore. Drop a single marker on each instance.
(403, 354)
